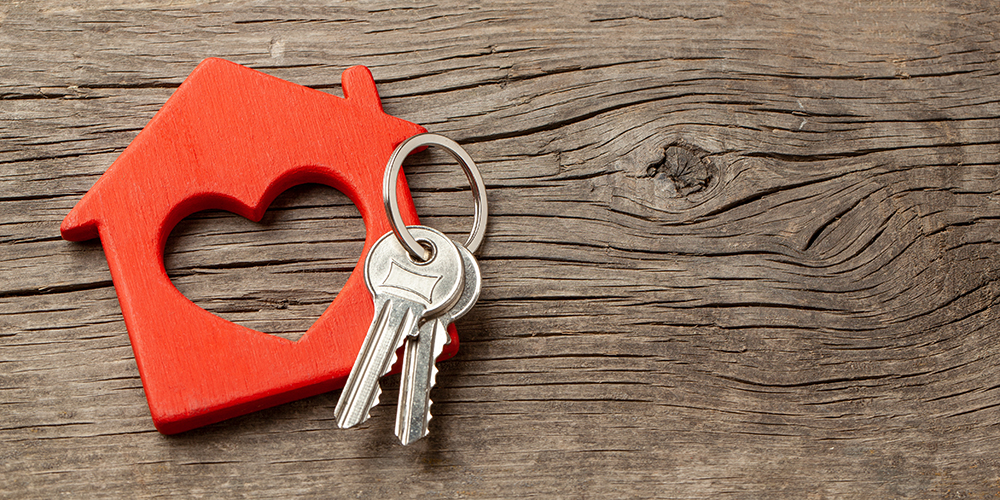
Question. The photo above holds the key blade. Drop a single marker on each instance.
(393, 320)
(413, 414)
(413, 400)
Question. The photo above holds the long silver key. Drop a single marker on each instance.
(421, 352)
(405, 292)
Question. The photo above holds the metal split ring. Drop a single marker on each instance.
(392, 204)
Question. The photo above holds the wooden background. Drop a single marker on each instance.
(736, 249)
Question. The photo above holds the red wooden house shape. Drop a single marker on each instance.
(233, 138)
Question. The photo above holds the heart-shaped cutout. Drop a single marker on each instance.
(275, 276)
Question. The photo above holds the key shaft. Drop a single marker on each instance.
(419, 374)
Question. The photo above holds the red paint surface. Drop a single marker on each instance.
(232, 138)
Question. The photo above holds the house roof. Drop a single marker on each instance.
(231, 137)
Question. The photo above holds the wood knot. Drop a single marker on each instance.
(683, 167)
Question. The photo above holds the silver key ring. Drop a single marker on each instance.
(392, 204)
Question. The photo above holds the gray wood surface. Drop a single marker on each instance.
(736, 249)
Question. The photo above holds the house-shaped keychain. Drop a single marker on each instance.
(232, 138)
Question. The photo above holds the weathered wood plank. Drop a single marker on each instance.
(736, 249)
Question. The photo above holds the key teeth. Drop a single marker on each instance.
(392, 359)
(378, 386)
(368, 414)
(427, 421)
(377, 395)
(375, 402)
(430, 403)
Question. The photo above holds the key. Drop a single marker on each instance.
(405, 292)
(419, 371)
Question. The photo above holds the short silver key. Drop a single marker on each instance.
(405, 292)
(421, 352)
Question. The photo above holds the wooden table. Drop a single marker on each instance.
(736, 249)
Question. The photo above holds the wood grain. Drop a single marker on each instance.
(736, 249)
